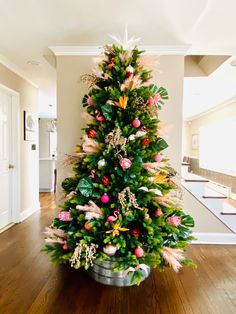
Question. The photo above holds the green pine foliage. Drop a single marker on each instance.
(121, 92)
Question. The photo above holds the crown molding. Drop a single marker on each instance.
(96, 50)
(211, 50)
(14, 68)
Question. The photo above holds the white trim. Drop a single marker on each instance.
(212, 50)
(16, 69)
(96, 50)
(15, 153)
(46, 190)
(28, 212)
(16, 174)
(214, 238)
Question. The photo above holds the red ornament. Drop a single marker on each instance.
(92, 133)
(145, 141)
(105, 181)
(87, 227)
(136, 123)
(139, 252)
(135, 232)
(158, 213)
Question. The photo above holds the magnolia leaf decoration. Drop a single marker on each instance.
(85, 187)
(163, 92)
(161, 143)
(107, 111)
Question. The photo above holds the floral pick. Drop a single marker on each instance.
(173, 257)
(126, 43)
(122, 103)
(160, 178)
(116, 230)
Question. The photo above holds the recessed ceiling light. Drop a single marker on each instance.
(33, 62)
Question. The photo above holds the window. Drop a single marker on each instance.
(217, 147)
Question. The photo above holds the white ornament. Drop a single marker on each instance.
(131, 137)
(141, 133)
(130, 69)
(110, 249)
(101, 163)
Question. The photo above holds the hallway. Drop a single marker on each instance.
(30, 284)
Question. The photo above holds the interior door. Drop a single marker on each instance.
(5, 154)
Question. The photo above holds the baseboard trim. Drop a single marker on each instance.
(28, 212)
(46, 190)
(214, 238)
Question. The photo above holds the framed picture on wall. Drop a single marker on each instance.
(29, 126)
(194, 141)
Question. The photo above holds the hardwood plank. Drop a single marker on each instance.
(30, 284)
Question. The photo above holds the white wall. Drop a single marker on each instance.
(29, 181)
(219, 114)
(44, 139)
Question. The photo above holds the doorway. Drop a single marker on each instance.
(9, 157)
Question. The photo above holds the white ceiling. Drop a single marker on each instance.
(29, 27)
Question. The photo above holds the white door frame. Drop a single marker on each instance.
(15, 153)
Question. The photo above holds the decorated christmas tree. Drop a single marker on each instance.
(122, 204)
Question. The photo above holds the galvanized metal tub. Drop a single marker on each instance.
(103, 272)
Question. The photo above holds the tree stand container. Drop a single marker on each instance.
(103, 272)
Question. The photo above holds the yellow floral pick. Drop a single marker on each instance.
(122, 103)
(160, 178)
(116, 230)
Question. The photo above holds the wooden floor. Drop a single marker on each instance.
(30, 284)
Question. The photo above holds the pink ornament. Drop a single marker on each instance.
(110, 65)
(105, 198)
(65, 246)
(158, 157)
(158, 213)
(174, 221)
(87, 227)
(136, 123)
(147, 216)
(113, 218)
(151, 101)
(139, 252)
(64, 216)
(90, 101)
(157, 98)
(125, 163)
